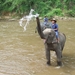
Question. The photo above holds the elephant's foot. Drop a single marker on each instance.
(59, 63)
(48, 63)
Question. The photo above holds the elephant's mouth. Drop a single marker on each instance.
(48, 41)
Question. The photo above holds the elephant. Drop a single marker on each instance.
(51, 44)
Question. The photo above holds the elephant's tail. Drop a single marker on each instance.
(64, 40)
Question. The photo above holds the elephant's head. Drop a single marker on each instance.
(49, 35)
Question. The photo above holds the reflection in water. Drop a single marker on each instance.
(22, 53)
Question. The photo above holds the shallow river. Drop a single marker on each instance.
(23, 53)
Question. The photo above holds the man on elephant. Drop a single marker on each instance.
(54, 26)
(45, 20)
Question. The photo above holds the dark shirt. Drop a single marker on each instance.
(54, 26)
(45, 19)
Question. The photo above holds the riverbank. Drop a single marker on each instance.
(10, 18)
(64, 18)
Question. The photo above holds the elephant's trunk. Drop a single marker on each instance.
(39, 28)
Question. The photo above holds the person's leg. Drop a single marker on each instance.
(57, 37)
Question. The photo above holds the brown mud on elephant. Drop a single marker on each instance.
(50, 44)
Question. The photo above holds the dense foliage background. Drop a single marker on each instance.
(43, 7)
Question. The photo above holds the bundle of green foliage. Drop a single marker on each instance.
(43, 7)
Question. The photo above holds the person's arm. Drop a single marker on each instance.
(56, 29)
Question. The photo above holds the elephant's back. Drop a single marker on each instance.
(62, 36)
(62, 39)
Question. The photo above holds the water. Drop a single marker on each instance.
(23, 53)
(27, 18)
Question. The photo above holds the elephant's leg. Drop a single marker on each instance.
(48, 56)
(59, 54)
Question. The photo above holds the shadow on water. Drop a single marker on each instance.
(22, 53)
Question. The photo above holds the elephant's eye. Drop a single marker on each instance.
(51, 35)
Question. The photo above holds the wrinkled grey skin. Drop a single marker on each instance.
(51, 44)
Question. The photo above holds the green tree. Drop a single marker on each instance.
(43, 7)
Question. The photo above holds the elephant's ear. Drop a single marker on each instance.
(47, 31)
